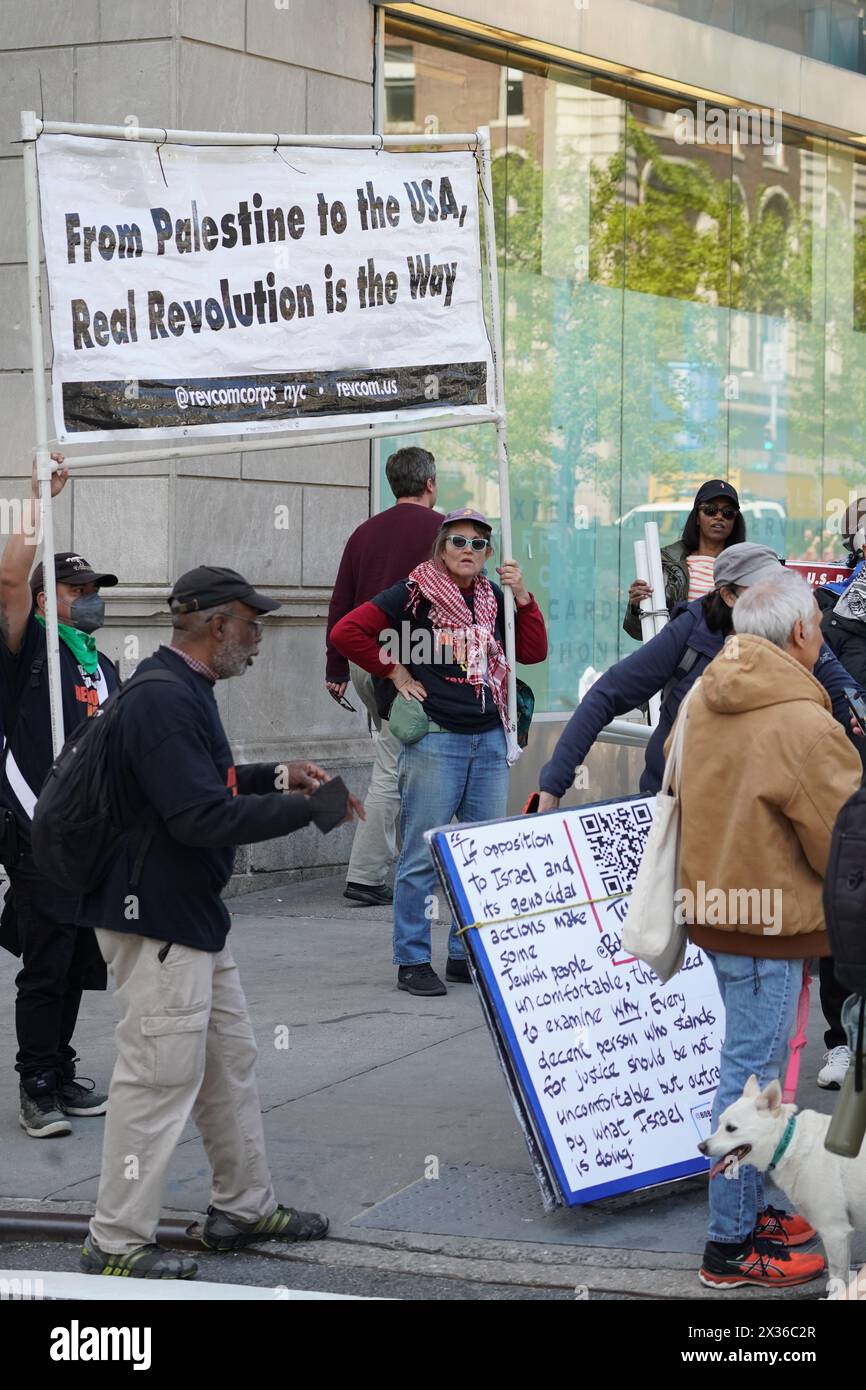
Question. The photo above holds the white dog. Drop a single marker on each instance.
(829, 1191)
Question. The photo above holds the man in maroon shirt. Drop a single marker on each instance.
(381, 551)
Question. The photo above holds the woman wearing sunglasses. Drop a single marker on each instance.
(435, 640)
(714, 523)
(669, 664)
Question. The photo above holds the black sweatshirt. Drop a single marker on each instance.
(169, 752)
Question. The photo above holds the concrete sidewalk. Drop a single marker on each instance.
(389, 1113)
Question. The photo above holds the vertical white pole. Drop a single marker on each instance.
(43, 457)
(378, 129)
(378, 70)
(656, 574)
(647, 622)
(501, 427)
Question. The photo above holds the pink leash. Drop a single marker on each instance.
(798, 1042)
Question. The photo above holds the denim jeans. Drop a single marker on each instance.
(760, 999)
(442, 776)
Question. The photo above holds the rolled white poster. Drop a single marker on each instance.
(647, 622)
(656, 574)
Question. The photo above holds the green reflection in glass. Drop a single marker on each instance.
(671, 312)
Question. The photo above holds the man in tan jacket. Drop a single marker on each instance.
(766, 769)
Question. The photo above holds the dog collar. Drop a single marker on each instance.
(783, 1143)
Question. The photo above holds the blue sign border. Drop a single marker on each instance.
(571, 1197)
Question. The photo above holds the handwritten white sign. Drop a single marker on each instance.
(616, 1070)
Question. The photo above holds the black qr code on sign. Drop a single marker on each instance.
(615, 839)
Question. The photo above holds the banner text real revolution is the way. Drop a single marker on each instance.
(249, 225)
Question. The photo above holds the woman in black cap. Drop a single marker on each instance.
(714, 523)
(434, 643)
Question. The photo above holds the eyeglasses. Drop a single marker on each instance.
(344, 703)
(477, 543)
(257, 626)
(709, 509)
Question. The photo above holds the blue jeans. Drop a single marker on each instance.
(760, 999)
(442, 776)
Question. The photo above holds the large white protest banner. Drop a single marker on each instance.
(198, 290)
(612, 1073)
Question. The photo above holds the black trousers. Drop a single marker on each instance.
(833, 996)
(58, 961)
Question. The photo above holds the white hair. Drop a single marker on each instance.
(772, 608)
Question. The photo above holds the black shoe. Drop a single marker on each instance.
(149, 1262)
(371, 894)
(457, 970)
(224, 1232)
(42, 1116)
(420, 979)
(79, 1096)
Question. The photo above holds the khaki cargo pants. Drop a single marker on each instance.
(185, 1049)
(374, 847)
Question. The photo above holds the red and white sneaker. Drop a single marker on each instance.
(759, 1262)
(783, 1228)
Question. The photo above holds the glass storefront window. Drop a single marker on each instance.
(829, 30)
(676, 306)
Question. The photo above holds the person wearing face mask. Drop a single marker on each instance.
(58, 961)
(185, 1043)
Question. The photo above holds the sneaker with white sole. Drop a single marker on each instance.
(79, 1096)
(833, 1072)
(42, 1116)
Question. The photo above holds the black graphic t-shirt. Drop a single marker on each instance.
(452, 700)
(25, 713)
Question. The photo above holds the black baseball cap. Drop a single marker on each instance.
(207, 586)
(716, 488)
(70, 568)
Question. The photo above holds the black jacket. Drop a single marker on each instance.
(171, 757)
(649, 670)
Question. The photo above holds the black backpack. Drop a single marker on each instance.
(845, 894)
(76, 832)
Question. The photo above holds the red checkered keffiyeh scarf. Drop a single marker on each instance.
(473, 639)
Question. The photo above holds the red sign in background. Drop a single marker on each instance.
(817, 573)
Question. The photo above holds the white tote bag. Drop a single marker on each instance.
(650, 930)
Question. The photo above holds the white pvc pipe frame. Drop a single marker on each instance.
(31, 128)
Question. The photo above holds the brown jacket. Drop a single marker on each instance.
(766, 770)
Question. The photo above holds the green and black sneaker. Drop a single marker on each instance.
(224, 1232)
(150, 1262)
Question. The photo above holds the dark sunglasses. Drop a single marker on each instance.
(461, 542)
(344, 703)
(710, 509)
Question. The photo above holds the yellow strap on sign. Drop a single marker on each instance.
(560, 907)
